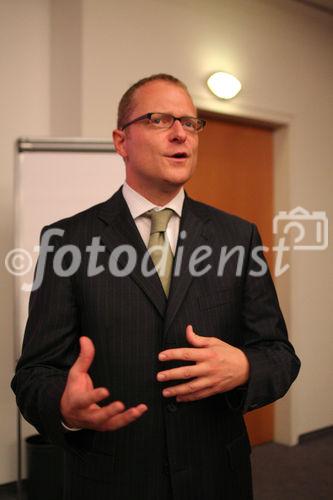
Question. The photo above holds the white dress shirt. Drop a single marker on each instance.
(138, 205)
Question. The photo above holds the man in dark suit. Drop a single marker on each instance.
(143, 375)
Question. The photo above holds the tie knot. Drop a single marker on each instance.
(159, 219)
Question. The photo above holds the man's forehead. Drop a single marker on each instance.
(167, 96)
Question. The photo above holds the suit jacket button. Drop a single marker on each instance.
(172, 407)
(166, 468)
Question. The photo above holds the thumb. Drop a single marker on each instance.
(194, 339)
(86, 356)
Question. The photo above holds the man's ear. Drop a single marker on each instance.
(119, 142)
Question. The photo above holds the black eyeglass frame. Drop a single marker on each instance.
(148, 116)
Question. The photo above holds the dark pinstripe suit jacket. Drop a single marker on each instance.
(187, 451)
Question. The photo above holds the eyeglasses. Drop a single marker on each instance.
(164, 120)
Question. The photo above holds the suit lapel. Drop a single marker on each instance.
(121, 229)
(192, 234)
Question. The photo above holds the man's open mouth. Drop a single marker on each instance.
(179, 155)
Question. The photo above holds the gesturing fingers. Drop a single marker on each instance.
(123, 418)
(183, 372)
(97, 416)
(197, 340)
(85, 358)
(195, 396)
(85, 399)
(188, 388)
(110, 417)
(185, 354)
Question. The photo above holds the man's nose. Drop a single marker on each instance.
(177, 132)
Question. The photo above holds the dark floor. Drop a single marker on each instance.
(9, 492)
(302, 472)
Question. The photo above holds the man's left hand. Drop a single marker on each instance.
(219, 367)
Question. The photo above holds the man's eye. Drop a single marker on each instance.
(188, 124)
(162, 120)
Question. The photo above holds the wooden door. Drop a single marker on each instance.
(235, 173)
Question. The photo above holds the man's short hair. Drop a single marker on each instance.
(126, 103)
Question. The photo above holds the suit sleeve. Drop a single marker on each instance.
(50, 347)
(273, 362)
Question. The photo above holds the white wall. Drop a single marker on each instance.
(64, 66)
(24, 109)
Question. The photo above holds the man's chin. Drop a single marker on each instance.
(179, 177)
(175, 183)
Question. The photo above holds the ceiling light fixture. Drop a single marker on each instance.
(224, 85)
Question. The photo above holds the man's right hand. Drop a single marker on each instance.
(78, 405)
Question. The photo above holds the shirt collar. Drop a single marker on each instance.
(138, 204)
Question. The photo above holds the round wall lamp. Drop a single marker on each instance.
(224, 85)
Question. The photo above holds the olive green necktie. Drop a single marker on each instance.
(159, 246)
